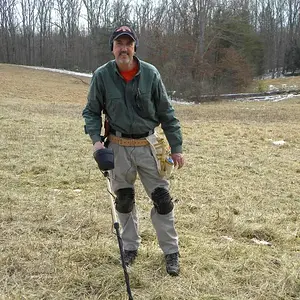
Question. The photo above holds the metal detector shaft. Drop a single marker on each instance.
(117, 229)
(112, 202)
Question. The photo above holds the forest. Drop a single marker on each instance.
(199, 46)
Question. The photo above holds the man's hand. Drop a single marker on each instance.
(98, 145)
(178, 160)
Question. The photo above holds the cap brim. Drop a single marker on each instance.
(124, 33)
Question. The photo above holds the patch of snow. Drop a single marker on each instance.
(182, 102)
(273, 88)
(60, 71)
(269, 75)
(261, 242)
(271, 98)
(292, 87)
(278, 143)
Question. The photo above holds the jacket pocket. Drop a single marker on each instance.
(114, 104)
(144, 105)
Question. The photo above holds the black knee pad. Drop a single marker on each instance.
(125, 200)
(162, 201)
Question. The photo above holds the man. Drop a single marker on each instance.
(132, 95)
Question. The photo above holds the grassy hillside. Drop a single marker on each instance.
(287, 83)
(237, 192)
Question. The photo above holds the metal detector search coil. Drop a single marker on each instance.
(105, 159)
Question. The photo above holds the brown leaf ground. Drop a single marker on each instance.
(237, 187)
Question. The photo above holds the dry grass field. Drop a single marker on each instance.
(237, 201)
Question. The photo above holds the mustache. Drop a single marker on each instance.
(123, 52)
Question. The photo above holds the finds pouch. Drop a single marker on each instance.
(161, 151)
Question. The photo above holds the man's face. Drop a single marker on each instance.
(123, 49)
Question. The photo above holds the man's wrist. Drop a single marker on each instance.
(96, 138)
(176, 149)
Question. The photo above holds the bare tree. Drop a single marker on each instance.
(120, 12)
(28, 18)
(61, 25)
(8, 31)
(94, 12)
(73, 10)
(44, 9)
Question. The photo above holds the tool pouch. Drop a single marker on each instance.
(161, 151)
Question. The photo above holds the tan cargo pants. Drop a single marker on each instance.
(130, 161)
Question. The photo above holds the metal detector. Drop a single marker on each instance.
(105, 159)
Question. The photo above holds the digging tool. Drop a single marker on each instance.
(105, 160)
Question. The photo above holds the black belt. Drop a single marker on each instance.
(130, 136)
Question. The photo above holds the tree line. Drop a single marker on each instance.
(199, 46)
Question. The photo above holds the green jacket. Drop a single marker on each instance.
(135, 107)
